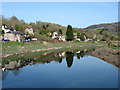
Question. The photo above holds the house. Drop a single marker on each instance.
(6, 29)
(1, 37)
(9, 36)
(55, 35)
(61, 38)
(29, 31)
(58, 37)
(13, 36)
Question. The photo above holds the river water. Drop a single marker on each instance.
(68, 69)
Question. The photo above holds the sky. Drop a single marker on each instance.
(77, 14)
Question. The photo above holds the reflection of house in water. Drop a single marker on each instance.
(45, 58)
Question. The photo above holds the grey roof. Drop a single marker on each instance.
(18, 32)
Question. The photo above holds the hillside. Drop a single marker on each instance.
(108, 27)
(43, 30)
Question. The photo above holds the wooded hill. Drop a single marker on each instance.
(42, 30)
(107, 26)
(105, 32)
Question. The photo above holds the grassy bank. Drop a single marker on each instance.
(32, 55)
(16, 47)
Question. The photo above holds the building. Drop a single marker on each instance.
(58, 37)
(29, 31)
(6, 29)
(55, 35)
(61, 38)
(14, 36)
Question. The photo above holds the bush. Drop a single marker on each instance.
(43, 38)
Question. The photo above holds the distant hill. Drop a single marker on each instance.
(107, 27)
(43, 30)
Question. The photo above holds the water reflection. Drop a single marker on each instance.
(45, 58)
(69, 58)
(39, 68)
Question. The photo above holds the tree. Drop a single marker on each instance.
(78, 35)
(14, 18)
(82, 37)
(69, 33)
(60, 32)
(78, 56)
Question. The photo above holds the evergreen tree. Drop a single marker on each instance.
(69, 33)
(78, 56)
(60, 32)
(78, 35)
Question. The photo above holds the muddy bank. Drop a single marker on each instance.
(109, 55)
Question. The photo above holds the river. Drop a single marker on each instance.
(61, 69)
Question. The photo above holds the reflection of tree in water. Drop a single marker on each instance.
(60, 60)
(16, 71)
(82, 53)
(78, 55)
(69, 58)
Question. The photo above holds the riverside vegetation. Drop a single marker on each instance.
(91, 36)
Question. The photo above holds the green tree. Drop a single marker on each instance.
(78, 56)
(82, 37)
(60, 32)
(69, 33)
(78, 35)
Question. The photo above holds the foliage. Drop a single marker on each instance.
(69, 33)
(78, 35)
(82, 37)
(60, 32)
(103, 32)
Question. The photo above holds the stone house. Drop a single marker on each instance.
(29, 31)
(1, 37)
(9, 36)
(14, 36)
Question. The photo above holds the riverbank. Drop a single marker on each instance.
(13, 48)
(108, 54)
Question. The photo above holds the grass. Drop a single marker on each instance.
(31, 55)
(15, 47)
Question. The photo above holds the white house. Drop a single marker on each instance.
(61, 38)
(5, 29)
(55, 35)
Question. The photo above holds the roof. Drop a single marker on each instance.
(18, 32)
